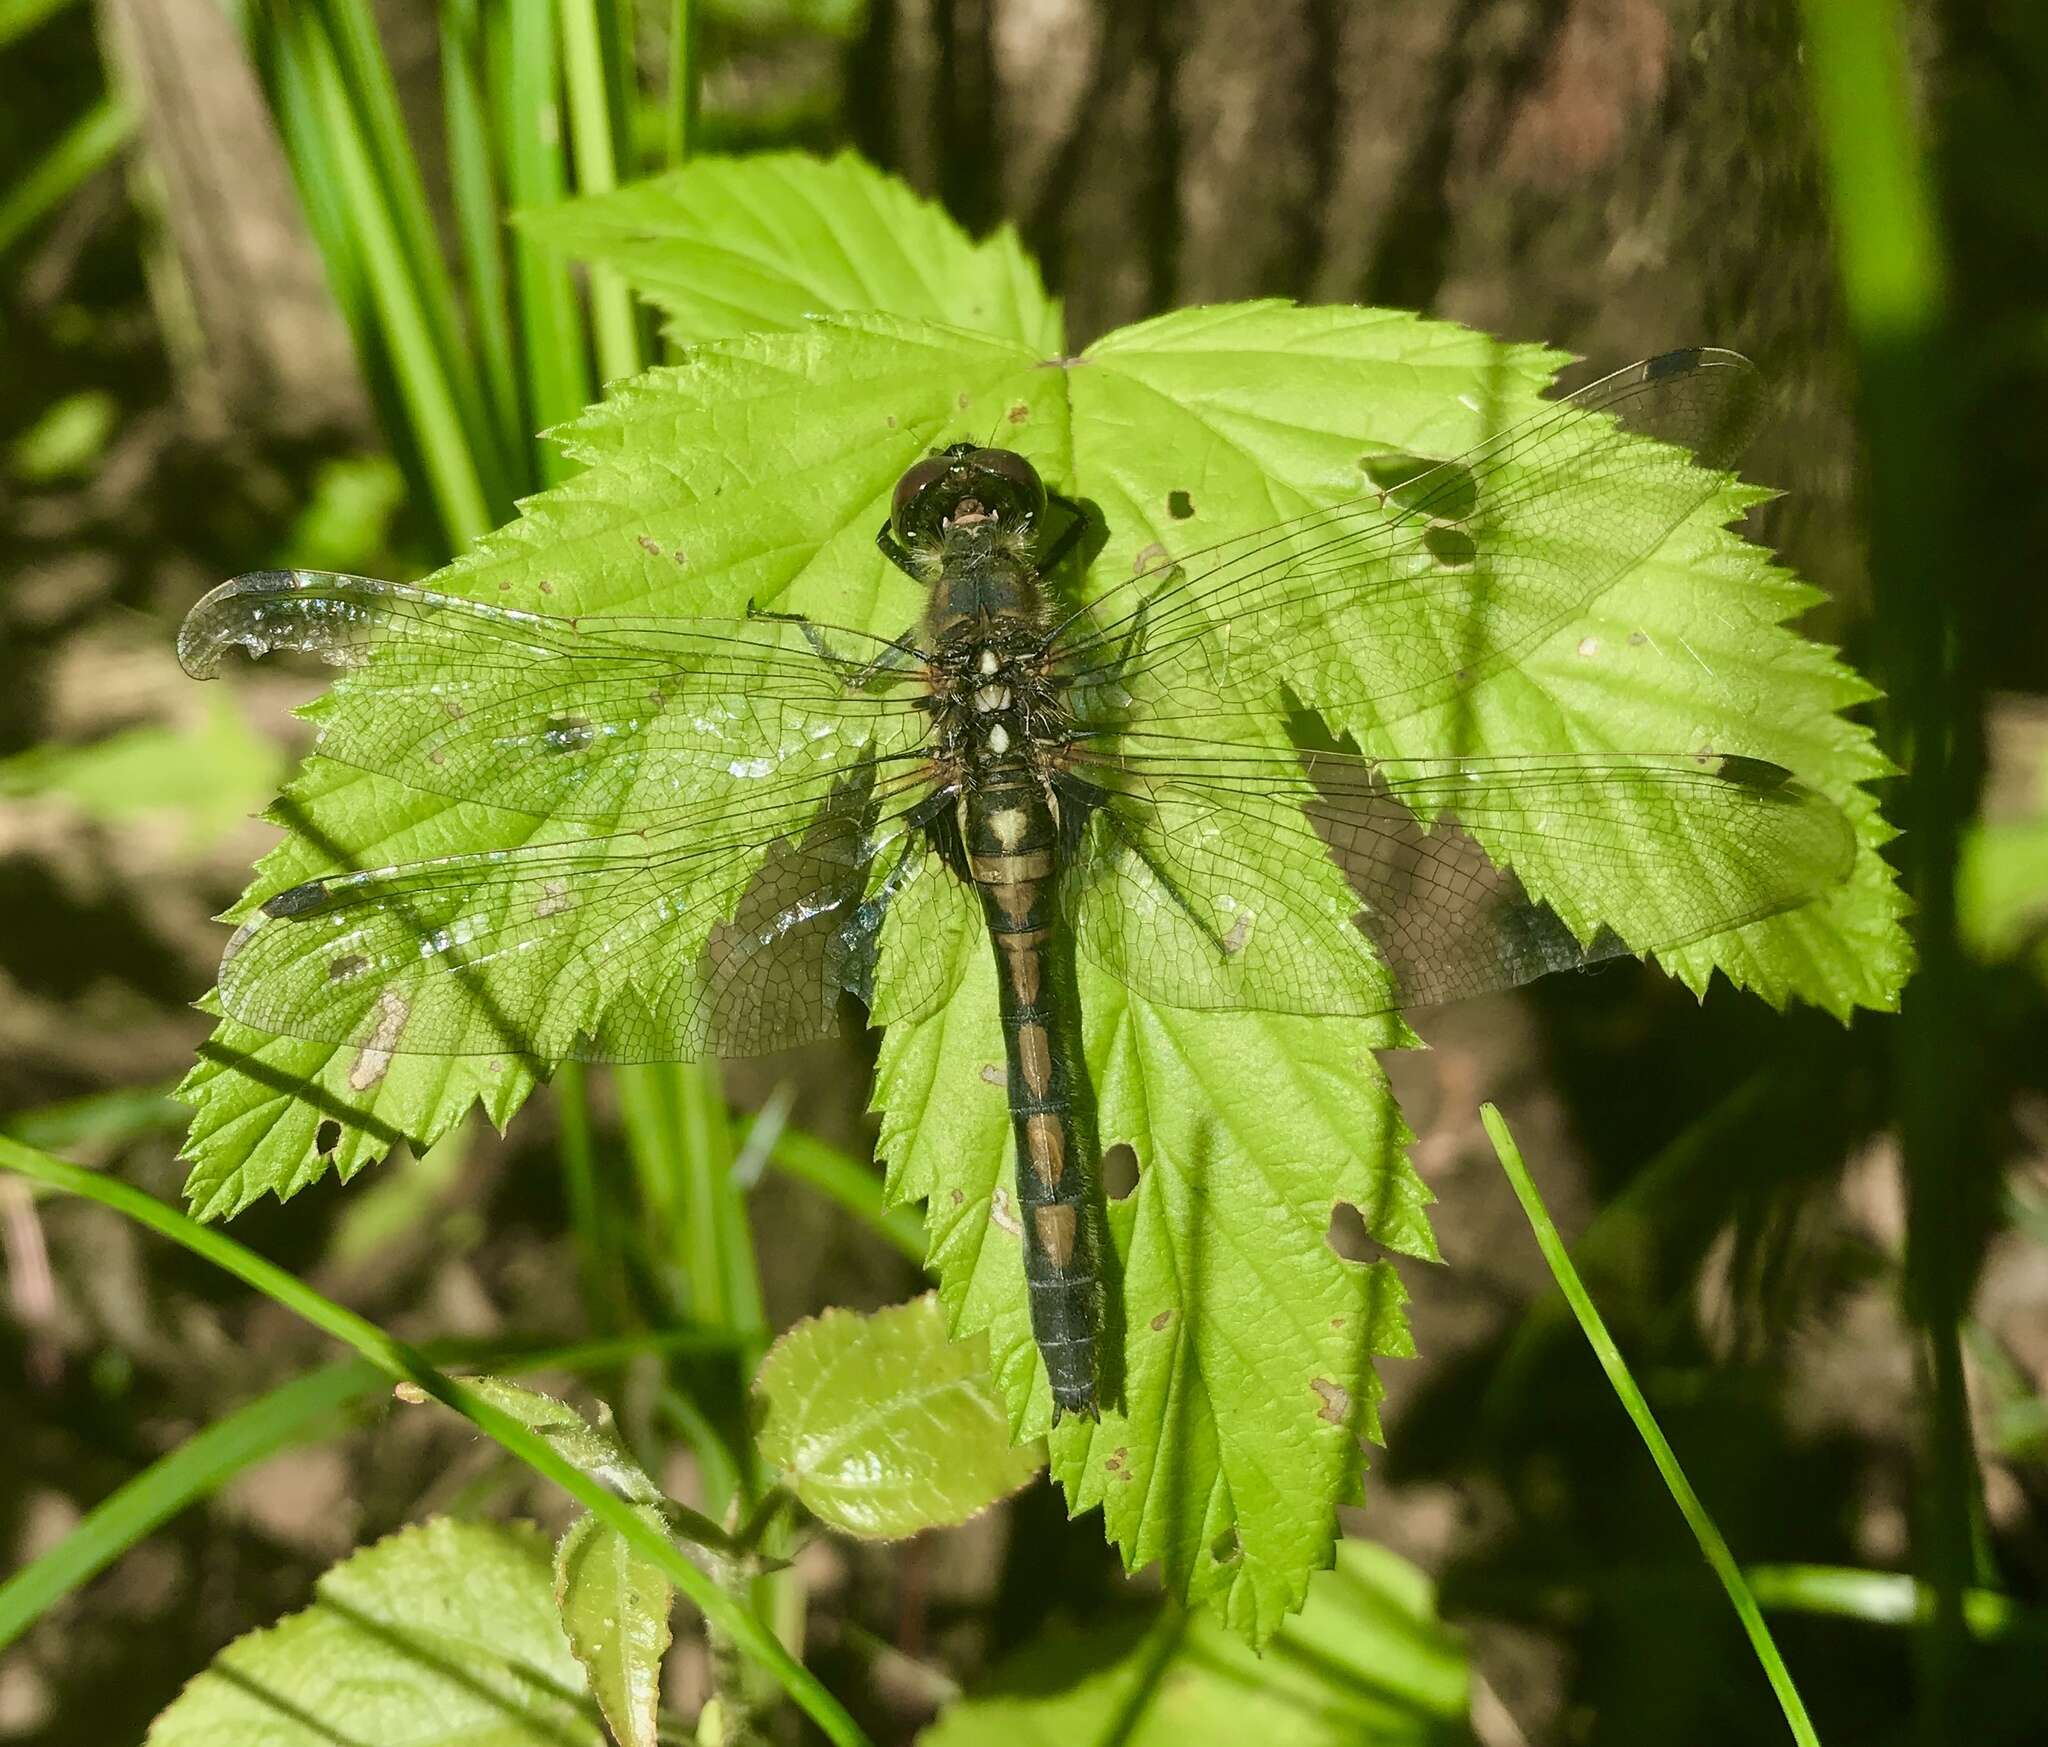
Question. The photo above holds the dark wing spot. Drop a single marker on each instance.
(1756, 774)
(302, 900)
(327, 1137)
(1179, 505)
(568, 733)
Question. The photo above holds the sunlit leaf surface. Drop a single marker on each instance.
(884, 1424)
(1367, 1660)
(439, 1636)
(1238, 1362)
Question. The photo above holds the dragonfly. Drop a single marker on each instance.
(707, 834)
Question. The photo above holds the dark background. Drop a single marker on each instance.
(1613, 176)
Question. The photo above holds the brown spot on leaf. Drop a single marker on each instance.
(1336, 1406)
(992, 1072)
(1161, 1320)
(650, 545)
(1019, 413)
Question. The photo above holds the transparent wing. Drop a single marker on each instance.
(1328, 883)
(637, 946)
(1390, 603)
(618, 720)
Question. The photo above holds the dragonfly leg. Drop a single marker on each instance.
(1068, 537)
(859, 676)
(897, 553)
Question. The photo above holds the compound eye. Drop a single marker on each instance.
(916, 481)
(1026, 490)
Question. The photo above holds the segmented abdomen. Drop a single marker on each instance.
(1012, 844)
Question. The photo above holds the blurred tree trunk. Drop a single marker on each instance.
(1614, 176)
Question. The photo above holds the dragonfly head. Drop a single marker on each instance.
(966, 486)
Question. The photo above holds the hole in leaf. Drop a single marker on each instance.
(1119, 1171)
(1179, 505)
(1347, 1236)
(327, 1137)
(1451, 547)
(1226, 1549)
(1412, 482)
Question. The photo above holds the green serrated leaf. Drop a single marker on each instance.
(1366, 1661)
(884, 1425)
(443, 1635)
(728, 246)
(615, 1610)
(759, 469)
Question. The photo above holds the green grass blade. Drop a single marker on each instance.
(402, 1363)
(1631, 1398)
(280, 45)
(253, 1431)
(480, 226)
(1935, 626)
(523, 68)
(418, 365)
(585, 68)
(842, 1178)
(1886, 1598)
(19, 17)
(381, 132)
(593, 1228)
(200, 1465)
(82, 149)
(99, 1119)
(721, 1244)
(682, 80)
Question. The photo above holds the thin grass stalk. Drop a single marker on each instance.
(853, 1186)
(586, 71)
(722, 1244)
(280, 48)
(424, 385)
(381, 130)
(1631, 1398)
(1893, 274)
(524, 74)
(19, 17)
(600, 1260)
(402, 1363)
(290, 1413)
(682, 80)
(480, 226)
(81, 151)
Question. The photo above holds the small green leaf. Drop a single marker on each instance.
(443, 1635)
(1367, 1660)
(884, 1425)
(615, 1608)
(729, 246)
(595, 1449)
